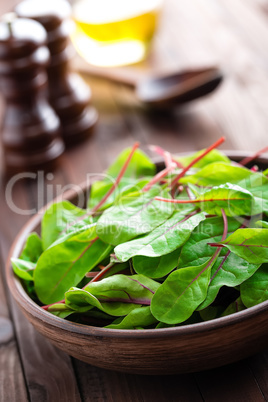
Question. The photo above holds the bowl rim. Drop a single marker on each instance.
(35, 310)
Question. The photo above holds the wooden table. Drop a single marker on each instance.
(233, 33)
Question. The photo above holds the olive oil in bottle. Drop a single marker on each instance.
(114, 32)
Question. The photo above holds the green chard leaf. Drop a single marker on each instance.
(139, 317)
(250, 244)
(33, 248)
(181, 293)
(217, 173)
(60, 219)
(156, 267)
(163, 240)
(127, 185)
(139, 166)
(228, 270)
(212, 157)
(255, 289)
(234, 200)
(117, 295)
(261, 225)
(23, 269)
(65, 264)
(257, 184)
(210, 313)
(234, 307)
(60, 310)
(132, 216)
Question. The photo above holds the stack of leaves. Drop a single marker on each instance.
(154, 250)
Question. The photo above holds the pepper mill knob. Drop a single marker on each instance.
(30, 137)
(68, 93)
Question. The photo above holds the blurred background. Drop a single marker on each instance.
(189, 34)
(177, 36)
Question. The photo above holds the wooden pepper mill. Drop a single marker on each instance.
(68, 93)
(31, 130)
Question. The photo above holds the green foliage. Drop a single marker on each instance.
(181, 293)
(33, 248)
(212, 157)
(163, 240)
(217, 173)
(139, 166)
(255, 289)
(132, 216)
(138, 317)
(65, 264)
(228, 270)
(23, 269)
(156, 267)
(154, 263)
(250, 244)
(234, 200)
(60, 219)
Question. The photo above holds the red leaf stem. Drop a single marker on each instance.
(168, 158)
(215, 245)
(118, 179)
(197, 159)
(159, 176)
(225, 225)
(249, 159)
(102, 272)
(225, 231)
(160, 151)
(91, 274)
(172, 200)
(49, 305)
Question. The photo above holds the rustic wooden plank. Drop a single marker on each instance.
(102, 385)
(239, 108)
(232, 383)
(259, 366)
(11, 373)
(49, 373)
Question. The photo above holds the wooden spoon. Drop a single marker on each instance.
(163, 90)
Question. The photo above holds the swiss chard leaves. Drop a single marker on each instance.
(62, 218)
(117, 295)
(250, 244)
(228, 270)
(23, 269)
(163, 240)
(211, 157)
(139, 317)
(185, 259)
(99, 189)
(33, 248)
(65, 264)
(255, 289)
(217, 173)
(234, 200)
(132, 216)
(181, 293)
(140, 165)
(60, 310)
(156, 267)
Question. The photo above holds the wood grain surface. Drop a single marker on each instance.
(232, 33)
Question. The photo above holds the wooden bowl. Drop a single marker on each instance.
(182, 349)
